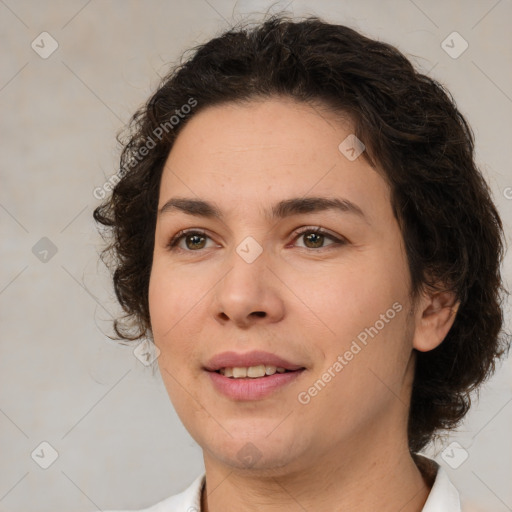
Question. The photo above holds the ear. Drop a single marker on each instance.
(435, 314)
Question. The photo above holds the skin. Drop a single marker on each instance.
(303, 300)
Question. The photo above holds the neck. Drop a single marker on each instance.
(383, 477)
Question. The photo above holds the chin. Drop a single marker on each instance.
(251, 459)
(258, 451)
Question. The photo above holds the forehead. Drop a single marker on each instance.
(279, 125)
(263, 150)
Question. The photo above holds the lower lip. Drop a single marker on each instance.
(252, 389)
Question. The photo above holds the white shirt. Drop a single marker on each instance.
(443, 497)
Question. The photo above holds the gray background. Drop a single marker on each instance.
(119, 442)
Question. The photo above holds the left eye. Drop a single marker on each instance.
(315, 237)
(194, 240)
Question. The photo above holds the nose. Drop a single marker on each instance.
(249, 293)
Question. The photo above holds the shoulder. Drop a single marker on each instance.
(188, 500)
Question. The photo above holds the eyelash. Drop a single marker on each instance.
(309, 229)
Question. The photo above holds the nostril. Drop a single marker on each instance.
(259, 313)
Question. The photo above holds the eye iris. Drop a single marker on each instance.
(315, 238)
(195, 244)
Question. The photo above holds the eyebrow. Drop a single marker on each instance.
(280, 210)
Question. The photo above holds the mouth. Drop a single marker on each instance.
(252, 375)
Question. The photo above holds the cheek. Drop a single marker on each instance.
(351, 297)
(172, 302)
(169, 305)
(172, 295)
(363, 307)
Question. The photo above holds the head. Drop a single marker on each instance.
(250, 141)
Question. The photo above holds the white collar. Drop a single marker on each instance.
(443, 496)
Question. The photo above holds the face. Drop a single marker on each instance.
(283, 251)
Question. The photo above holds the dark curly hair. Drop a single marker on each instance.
(412, 130)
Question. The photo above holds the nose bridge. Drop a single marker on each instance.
(249, 290)
(248, 276)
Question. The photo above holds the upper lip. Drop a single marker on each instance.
(254, 358)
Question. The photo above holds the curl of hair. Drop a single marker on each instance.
(413, 132)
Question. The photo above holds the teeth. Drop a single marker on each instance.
(253, 372)
(256, 371)
(270, 370)
(239, 373)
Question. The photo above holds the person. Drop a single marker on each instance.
(300, 230)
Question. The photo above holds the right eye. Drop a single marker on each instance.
(193, 239)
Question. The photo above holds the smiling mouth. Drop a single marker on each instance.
(253, 372)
